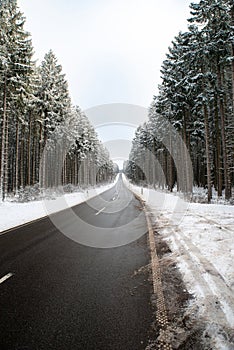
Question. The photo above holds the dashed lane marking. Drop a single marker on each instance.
(100, 211)
(4, 278)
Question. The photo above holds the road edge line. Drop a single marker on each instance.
(161, 314)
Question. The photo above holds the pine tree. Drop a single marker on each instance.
(214, 16)
(15, 70)
(196, 99)
(53, 104)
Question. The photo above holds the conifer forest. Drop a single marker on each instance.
(196, 95)
(35, 104)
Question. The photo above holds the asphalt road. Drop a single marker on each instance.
(66, 295)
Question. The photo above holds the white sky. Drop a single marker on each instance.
(111, 50)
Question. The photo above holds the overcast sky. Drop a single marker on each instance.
(111, 50)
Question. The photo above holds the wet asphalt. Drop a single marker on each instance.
(66, 295)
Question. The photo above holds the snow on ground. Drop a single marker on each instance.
(14, 214)
(200, 196)
(201, 239)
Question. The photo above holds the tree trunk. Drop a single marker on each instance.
(29, 151)
(218, 154)
(35, 143)
(3, 149)
(22, 157)
(17, 159)
(6, 159)
(232, 25)
(208, 163)
(224, 140)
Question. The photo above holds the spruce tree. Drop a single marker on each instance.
(15, 70)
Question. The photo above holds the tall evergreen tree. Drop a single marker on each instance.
(196, 97)
(35, 108)
(15, 69)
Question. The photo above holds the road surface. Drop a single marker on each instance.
(58, 294)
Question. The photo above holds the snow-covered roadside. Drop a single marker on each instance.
(14, 214)
(200, 237)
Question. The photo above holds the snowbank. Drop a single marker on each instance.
(200, 237)
(14, 214)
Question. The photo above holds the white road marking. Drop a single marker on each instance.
(4, 278)
(21, 225)
(100, 211)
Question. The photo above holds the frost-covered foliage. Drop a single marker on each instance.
(16, 73)
(197, 97)
(35, 107)
(29, 193)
